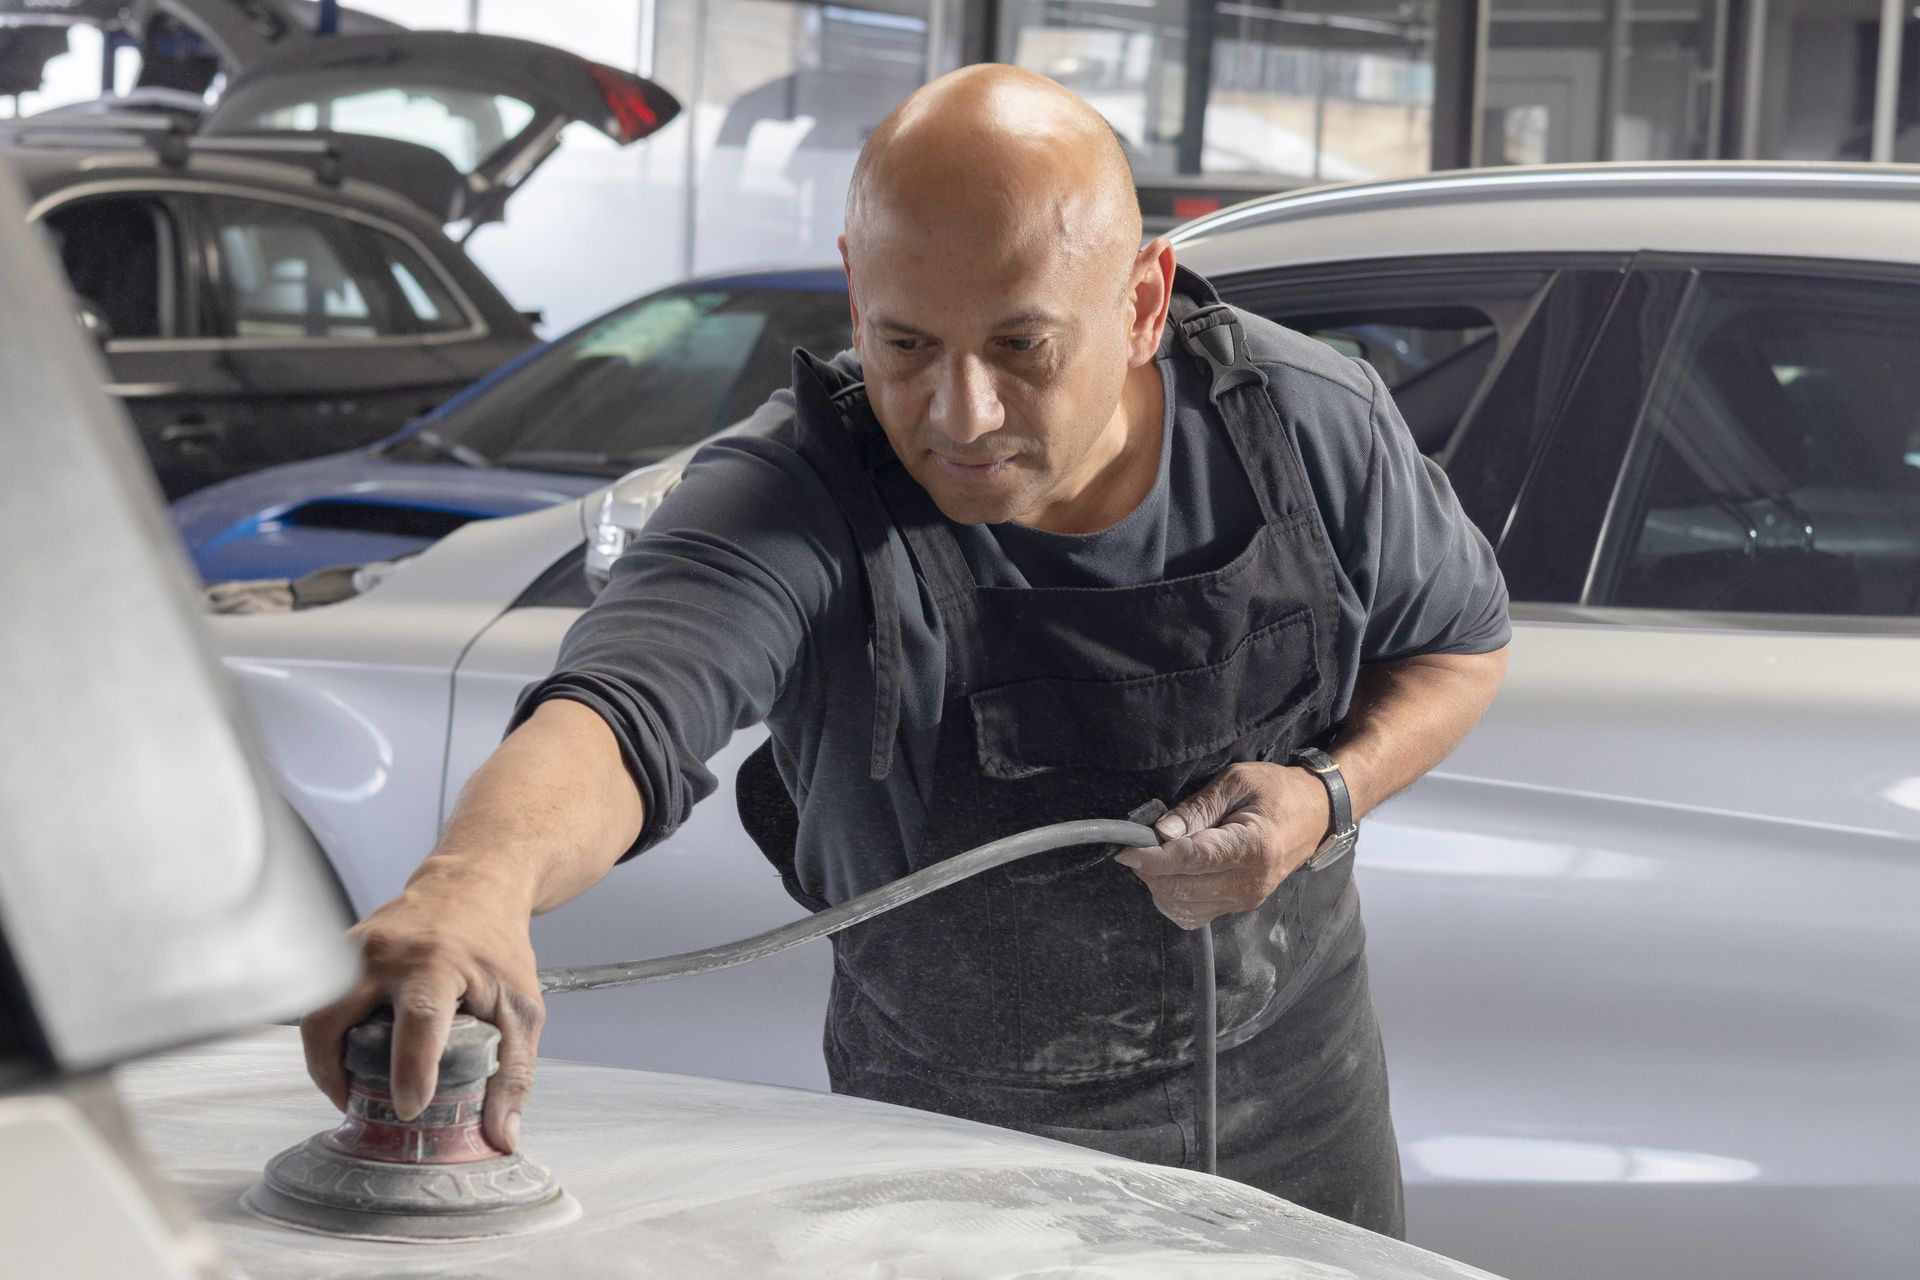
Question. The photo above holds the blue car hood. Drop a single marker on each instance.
(350, 508)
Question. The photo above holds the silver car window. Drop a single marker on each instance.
(1776, 468)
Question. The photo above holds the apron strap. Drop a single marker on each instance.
(936, 552)
(829, 425)
(1211, 334)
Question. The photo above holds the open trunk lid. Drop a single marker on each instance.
(493, 106)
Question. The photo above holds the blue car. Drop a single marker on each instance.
(627, 389)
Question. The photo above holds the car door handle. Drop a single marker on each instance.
(190, 432)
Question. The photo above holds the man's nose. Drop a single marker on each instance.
(965, 404)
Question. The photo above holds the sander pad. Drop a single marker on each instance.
(432, 1178)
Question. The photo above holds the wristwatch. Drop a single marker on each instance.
(1345, 831)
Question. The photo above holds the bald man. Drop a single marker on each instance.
(1032, 551)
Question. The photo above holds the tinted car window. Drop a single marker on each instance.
(1432, 359)
(1435, 331)
(1776, 467)
(427, 302)
(643, 382)
(119, 256)
(290, 272)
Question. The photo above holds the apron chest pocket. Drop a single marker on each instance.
(1149, 722)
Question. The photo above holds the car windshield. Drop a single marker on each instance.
(641, 383)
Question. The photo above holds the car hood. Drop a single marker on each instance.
(351, 508)
(681, 1176)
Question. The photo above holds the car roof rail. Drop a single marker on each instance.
(173, 141)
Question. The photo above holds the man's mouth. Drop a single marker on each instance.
(972, 468)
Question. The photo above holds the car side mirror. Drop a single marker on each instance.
(93, 322)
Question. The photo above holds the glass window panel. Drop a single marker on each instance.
(433, 307)
(291, 273)
(649, 379)
(604, 30)
(424, 308)
(1580, 80)
(1433, 359)
(64, 66)
(118, 255)
(1818, 61)
(465, 126)
(782, 97)
(1303, 93)
(1778, 465)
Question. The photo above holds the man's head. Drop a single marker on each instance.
(1002, 303)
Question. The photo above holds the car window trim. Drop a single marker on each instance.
(1544, 486)
(476, 324)
(169, 238)
(1597, 556)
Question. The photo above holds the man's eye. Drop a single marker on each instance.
(1021, 344)
(904, 344)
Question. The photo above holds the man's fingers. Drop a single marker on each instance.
(519, 1018)
(1191, 915)
(323, 1036)
(1206, 853)
(422, 1017)
(1241, 887)
(1224, 793)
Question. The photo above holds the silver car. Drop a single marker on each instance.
(1645, 948)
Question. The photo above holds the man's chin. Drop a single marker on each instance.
(965, 503)
(972, 508)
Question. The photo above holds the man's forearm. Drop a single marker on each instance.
(1407, 715)
(544, 818)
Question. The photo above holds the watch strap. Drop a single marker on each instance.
(1339, 800)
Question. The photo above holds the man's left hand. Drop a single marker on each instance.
(1230, 844)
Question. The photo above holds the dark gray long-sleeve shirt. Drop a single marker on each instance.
(742, 599)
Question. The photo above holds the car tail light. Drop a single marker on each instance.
(633, 116)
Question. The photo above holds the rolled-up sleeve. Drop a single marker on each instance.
(704, 620)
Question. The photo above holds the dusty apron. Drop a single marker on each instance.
(1051, 996)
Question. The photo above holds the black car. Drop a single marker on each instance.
(275, 281)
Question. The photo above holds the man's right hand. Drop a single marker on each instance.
(538, 823)
(449, 940)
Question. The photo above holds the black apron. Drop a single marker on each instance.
(1051, 996)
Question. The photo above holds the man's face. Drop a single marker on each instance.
(996, 373)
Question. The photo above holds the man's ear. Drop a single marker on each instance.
(1149, 293)
(853, 303)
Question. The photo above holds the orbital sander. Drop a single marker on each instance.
(432, 1178)
(436, 1179)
